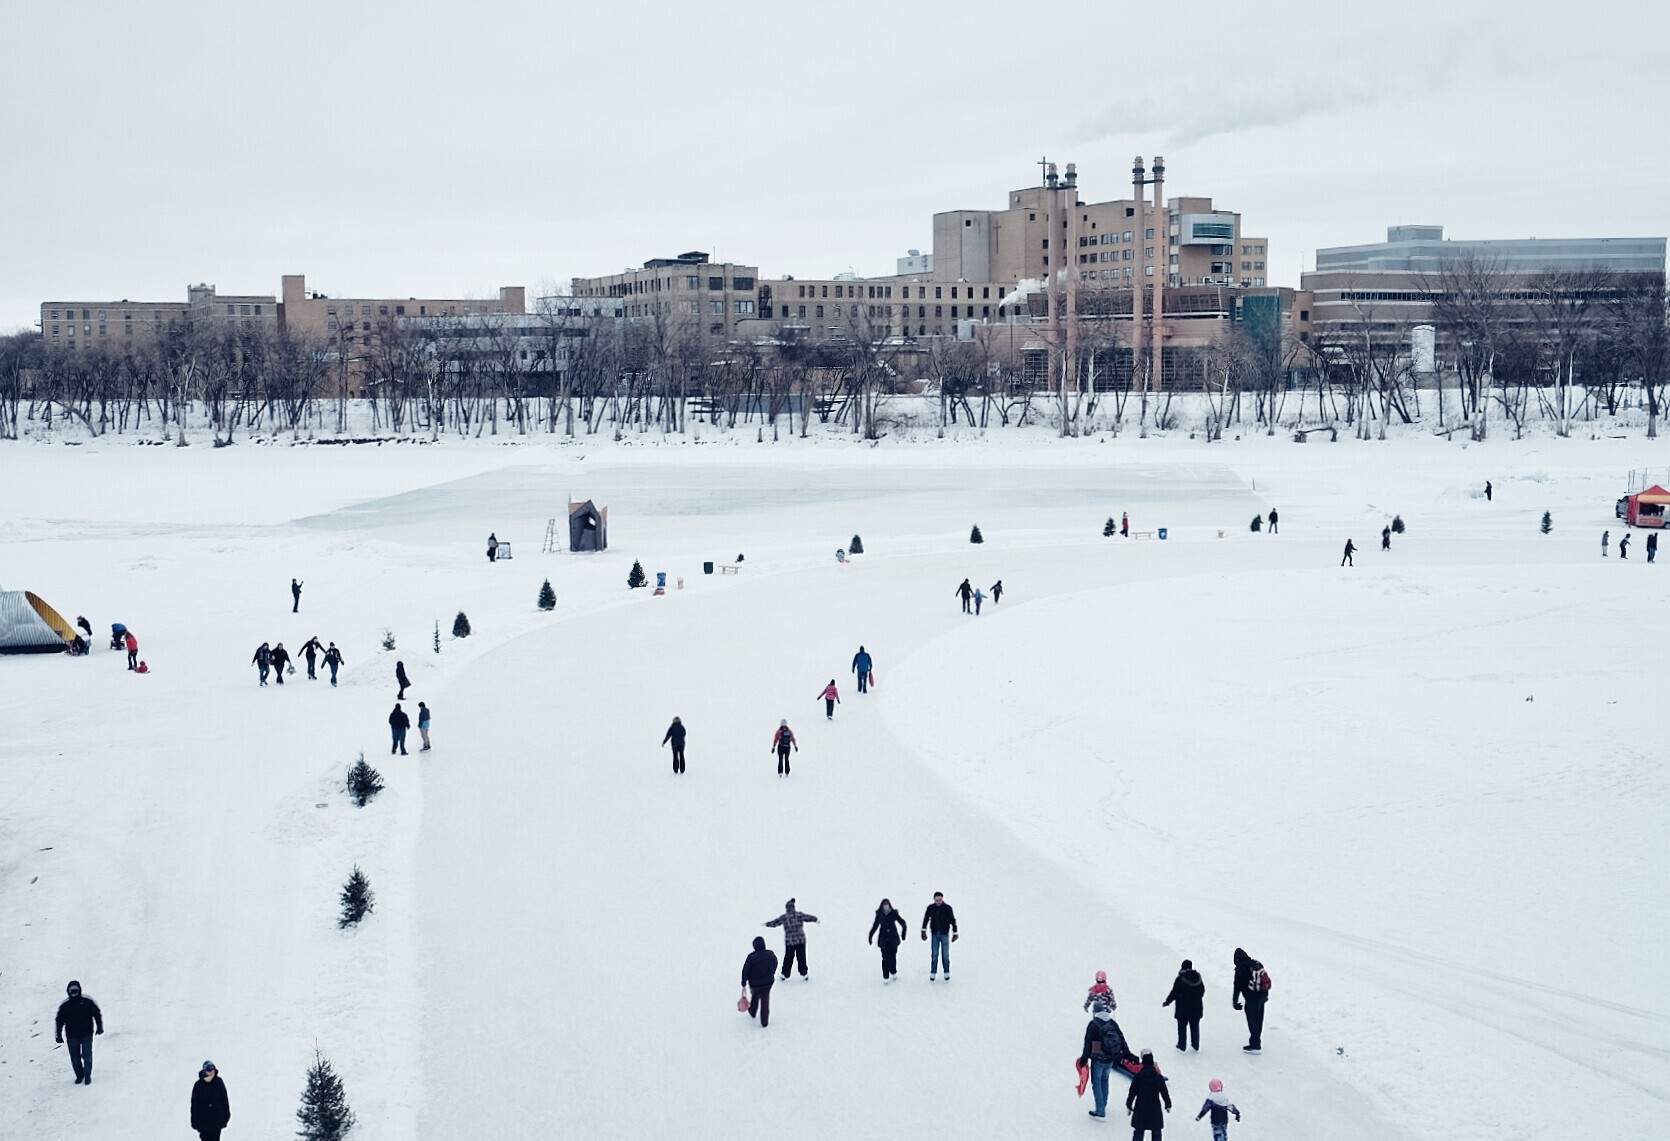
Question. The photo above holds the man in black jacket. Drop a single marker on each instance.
(942, 921)
(210, 1111)
(1253, 986)
(281, 659)
(311, 649)
(80, 1018)
(333, 659)
(295, 596)
(675, 734)
(759, 971)
(1188, 992)
(398, 724)
(1104, 1048)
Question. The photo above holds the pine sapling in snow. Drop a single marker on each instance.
(547, 596)
(364, 782)
(437, 635)
(1257, 523)
(974, 536)
(388, 638)
(1397, 524)
(856, 547)
(1547, 522)
(461, 626)
(636, 578)
(357, 900)
(1110, 528)
(324, 1114)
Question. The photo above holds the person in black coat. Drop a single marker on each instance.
(311, 649)
(398, 724)
(281, 659)
(1104, 1049)
(1274, 521)
(210, 1111)
(295, 596)
(1188, 994)
(759, 971)
(263, 660)
(892, 928)
(1148, 1094)
(1350, 549)
(1251, 987)
(401, 679)
(79, 1017)
(675, 734)
(333, 659)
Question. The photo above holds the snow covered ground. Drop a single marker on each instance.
(1426, 791)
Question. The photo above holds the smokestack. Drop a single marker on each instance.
(1072, 174)
(1051, 178)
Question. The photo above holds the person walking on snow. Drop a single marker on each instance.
(398, 724)
(79, 1017)
(759, 971)
(1148, 1093)
(1188, 994)
(401, 680)
(1605, 538)
(966, 593)
(1652, 546)
(1124, 525)
(979, 597)
(1274, 520)
(1100, 994)
(311, 649)
(1350, 549)
(1252, 985)
(893, 929)
(997, 592)
(1217, 1102)
(333, 659)
(675, 734)
(295, 596)
(423, 726)
(1104, 1048)
(132, 645)
(861, 663)
(1385, 538)
(493, 547)
(781, 742)
(942, 922)
(210, 1111)
(1623, 547)
(263, 661)
(280, 659)
(1487, 495)
(793, 924)
(831, 699)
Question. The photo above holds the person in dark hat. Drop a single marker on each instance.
(759, 971)
(210, 1111)
(1148, 1093)
(79, 1018)
(1188, 994)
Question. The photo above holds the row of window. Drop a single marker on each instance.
(1112, 239)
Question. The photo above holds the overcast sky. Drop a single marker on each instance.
(414, 149)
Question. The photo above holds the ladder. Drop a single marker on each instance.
(550, 537)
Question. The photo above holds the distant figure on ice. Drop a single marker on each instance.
(793, 924)
(132, 644)
(79, 1018)
(1252, 986)
(333, 659)
(423, 726)
(893, 928)
(263, 661)
(493, 547)
(1100, 994)
(398, 724)
(1652, 546)
(675, 734)
(401, 679)
(1217, 1103)
(1350, 549)
(941, 921)
(1188, 994)
(210, 1111)
(781, 742)
(280, 659)
(1148, 1093)
(831, 698)
(966, 593)
(759, 971)
(1386, 538)
(1605, 539)
(1124, 525)
(1623, 547)
(1104, 1048)
(979, 597)
(861, 663)
(295, 596)
(997, 592)
(1274, 520)
(1487, 494)
(310, 650)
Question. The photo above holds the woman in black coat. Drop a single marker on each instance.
(1148, 1093)
(210, 1111)
(401, 679)
(891, 926)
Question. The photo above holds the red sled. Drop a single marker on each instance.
(1084, 1076)
(742, 1003)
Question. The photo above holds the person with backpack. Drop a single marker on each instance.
(1252, 987)
(675, 734)
(966, 593)
(1219, 1105)
(398, 724)
(401, 680)
(423, 726)
(310, 650)
(831, 698)
(759, 971)
(333, 659)
(295, 596)
(280, 660)
(79, 1017)
(793, 924)
(942, 921)
(1104, 1048)
(892, 928)
(861, 663)
(210, 1111)
(1350, 549)
(263, 661)
(1147, 1095)
(132, 645)
(1188, 994)
(781, 742)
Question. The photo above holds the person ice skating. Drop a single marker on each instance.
(210, 1111)
(1217, 1103)
(280, 660)
(793, 924)
(132, 644)
(263, 661)
(1124, 525)
(966, 593)
(1274, 520)
(1104, 1048)
(861, 663)
(892, 929)
(1605, 539)
(79, 1018)
(675, 734)
(1623, 547)
(398, 724)
(333, 659)
(831, 698)
(997, 592)
(781, 742)
(1487, 495)
(492, 547)
(941, 922)
(1385, 538)
(1188, 995)
(1100, 994)
(401, 680)
(423, 726)
(311, 650)
(979, 597)
(1252, 986)
(1350, 549)
(759, 971)
(1144, 1101)
(1652, 546)
(295, 596)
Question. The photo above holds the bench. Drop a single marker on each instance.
(1142, 534)
(726, 569)
(503, 551)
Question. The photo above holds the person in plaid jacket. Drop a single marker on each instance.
(793, 924)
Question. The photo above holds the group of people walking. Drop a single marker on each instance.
(973, 596)
(275, 660)
(1623, 545)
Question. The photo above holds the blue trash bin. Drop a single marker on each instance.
(1162, 532)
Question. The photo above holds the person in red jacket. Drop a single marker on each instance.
(781, 742)
(831, 698)
(132, 644)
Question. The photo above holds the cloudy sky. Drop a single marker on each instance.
(415, 149)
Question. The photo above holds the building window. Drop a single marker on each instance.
(953, 293)
(230, 310)
(838, 291)
(939, 310)
(985, 310)
(1032, 217)
(1304, 314)
(692, 282)
(742, 283)
(800, 310)
(744, 308)
(819, 312)
(399, 310)
(803, 291)
(716, 307)
(968, 221)
(953, 312)
(715, 284)
(1046, 243)
(716, 328)
(939, 292)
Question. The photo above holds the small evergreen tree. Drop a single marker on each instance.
(437, 635)
(1110, 528)
(856, 547)
(1258, 523)
(547, 597)
(1547, 522)
(636, 578)
(388, 638)
(364, 782)
(1397, 524)
(357, 900)
(461, 626)
(324, 1114)
(974, 536)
